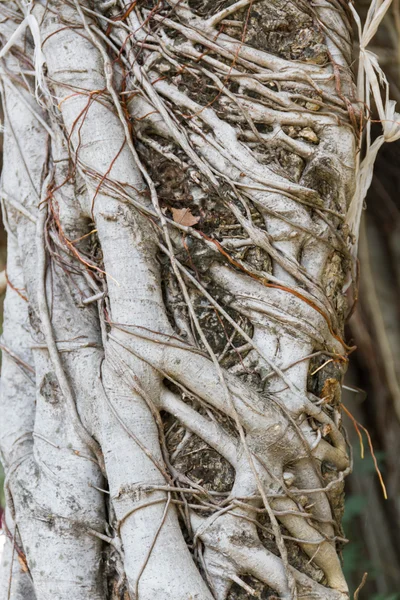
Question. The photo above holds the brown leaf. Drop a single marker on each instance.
(183, 216)
(331, 391)
(326, 429)
(22, 563)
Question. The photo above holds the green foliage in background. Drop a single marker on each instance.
(354, 558)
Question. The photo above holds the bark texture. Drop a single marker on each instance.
(175, 186)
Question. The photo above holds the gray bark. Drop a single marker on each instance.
(171, 384)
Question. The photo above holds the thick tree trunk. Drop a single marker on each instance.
(176, 182)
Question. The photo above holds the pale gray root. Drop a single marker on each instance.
(132, 302)
(17, 407)
(133, 286)
(228, 559)
(53, 489)
(15, 580)
(17, 399)
(291, 228)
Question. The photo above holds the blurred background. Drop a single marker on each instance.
(371, 523)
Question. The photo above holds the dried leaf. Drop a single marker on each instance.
(183, 216)
(331, 391)
(371, 84)
(22, 563)
(326, 429)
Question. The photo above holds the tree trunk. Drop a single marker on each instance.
(176, 180)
